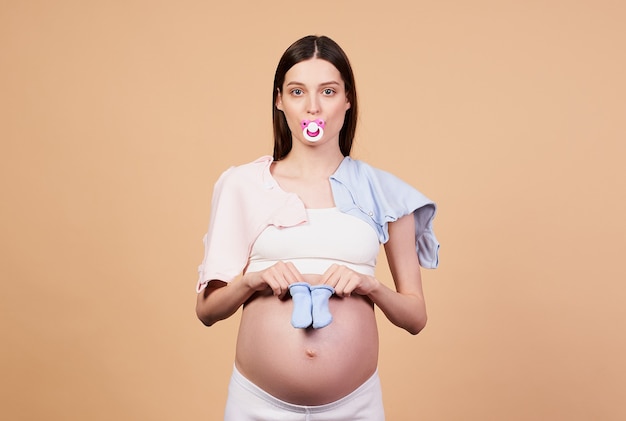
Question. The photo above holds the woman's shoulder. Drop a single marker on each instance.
(379, 185)
(356, 169)
(248, 171)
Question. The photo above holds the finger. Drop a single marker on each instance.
(275, 286)
(276, 281)
(351, 283)
(331, 275)
(293, 274)
(339, 282)
(281, 275)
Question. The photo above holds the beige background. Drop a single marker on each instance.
(116, 117)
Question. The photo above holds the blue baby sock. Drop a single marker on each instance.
(320, 295)
(301, 317)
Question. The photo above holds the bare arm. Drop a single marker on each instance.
(220, 300)
(404, 307)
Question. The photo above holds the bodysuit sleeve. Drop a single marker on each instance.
(245, 201)
(379, 197)
(225, 243)
(400, 198)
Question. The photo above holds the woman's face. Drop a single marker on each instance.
(314, 91)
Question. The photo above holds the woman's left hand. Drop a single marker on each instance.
(346, 281)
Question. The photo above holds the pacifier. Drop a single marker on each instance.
(312, 130)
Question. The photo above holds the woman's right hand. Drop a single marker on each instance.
(277, 277)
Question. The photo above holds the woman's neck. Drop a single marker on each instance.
(312, 164)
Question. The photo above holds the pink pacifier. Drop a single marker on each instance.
(312, 130)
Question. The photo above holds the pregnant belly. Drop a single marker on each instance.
(307, 366)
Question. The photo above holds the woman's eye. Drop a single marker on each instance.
(328, 91)
(297, 92)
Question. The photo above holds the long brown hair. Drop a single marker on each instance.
(304, 49)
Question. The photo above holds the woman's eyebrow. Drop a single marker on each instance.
(294, 82)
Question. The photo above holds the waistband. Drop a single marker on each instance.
(242, 381)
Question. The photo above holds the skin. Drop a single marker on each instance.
(316, 366)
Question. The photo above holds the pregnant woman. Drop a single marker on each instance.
(293, 238)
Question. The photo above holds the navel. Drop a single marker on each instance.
(310, 353)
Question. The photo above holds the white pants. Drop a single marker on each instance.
(248, 402)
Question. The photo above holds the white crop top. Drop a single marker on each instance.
(330, 236)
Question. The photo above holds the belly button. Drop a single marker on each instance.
(310, 353)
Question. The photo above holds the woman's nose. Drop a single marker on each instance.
(313, 105)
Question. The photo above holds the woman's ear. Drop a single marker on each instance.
(279, 100)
